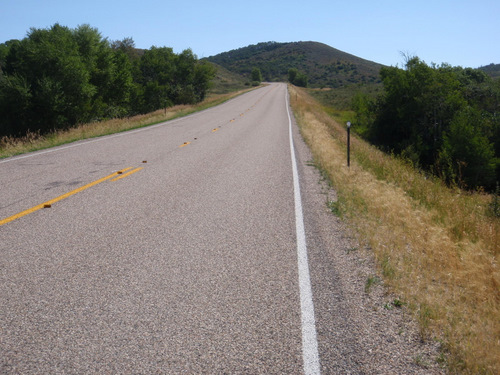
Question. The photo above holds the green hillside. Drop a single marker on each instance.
(324, 66)
(493, 70)
(226, 81)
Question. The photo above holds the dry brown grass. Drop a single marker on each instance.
(436, 247)
(10, 146)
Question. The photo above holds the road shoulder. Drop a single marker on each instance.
(359, 327)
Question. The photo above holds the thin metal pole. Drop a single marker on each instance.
(348, 144)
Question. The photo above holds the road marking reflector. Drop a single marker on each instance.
(185, 144)
(127, 174)
(214, 130)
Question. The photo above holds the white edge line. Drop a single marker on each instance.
(309, 341)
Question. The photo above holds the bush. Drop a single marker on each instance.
(444, 119)
(297, 78)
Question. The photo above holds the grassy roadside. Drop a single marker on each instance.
(436, 247)
(10, 146)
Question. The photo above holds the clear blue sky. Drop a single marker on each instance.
(458, 32)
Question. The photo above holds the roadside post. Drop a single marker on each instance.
(348, 143)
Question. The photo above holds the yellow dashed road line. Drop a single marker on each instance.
(49, 204)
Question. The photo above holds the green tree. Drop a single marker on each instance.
(184, 92)
(256, 75)
(467, 156)
(418, 105)
(121, 88)
(297, 78)
(204, 73)
(301, 80)
(127, 46)
(4, 51)
(110, 73)
(50, 62)
(157, 68)
(442, 118)
(363, 106)
(169, 79)
(15, 102)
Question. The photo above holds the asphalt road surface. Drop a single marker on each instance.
(176, 249)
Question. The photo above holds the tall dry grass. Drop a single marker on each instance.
(436, 247)
(10, 146)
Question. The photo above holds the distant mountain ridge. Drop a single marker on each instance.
(324, 66)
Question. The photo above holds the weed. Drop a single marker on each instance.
(370, 282)
(442, 360)
(398, 303)
(421, 361)
(335, 207)
(387, 269)
(425, 316)
(388, 306)
(494, 207)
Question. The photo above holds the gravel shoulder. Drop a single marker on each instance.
(359, 329)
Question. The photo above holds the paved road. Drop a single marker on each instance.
(188, 263)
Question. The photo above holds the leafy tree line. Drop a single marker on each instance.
(444, 119)
(58, 77)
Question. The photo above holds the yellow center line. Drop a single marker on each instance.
(127, 174)
(185, 144)
(214, 130)
(60, 198)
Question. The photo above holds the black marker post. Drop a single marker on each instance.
(348, 143)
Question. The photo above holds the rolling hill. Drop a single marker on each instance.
(324, 66)
(493, 70)
(226, 81)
